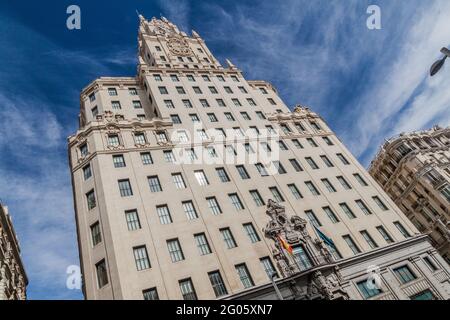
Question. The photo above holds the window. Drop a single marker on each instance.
(312, 142)
(268, 267)
(424, 295)
(220, 103)
(94, 111)
(161, 137)
(150, 294)
(119, 161)
(206, 78)
(197, 90)
(257, 198)
(202, 244)
(228, 90)
(194, 118)
(276, 194)
(139, 138)
(217, 284)
(96, 234)
(221, 78)
(242, 172)
(328, 185)
(236, 201)
(372, 244)
(279, 167)
(445, 192)
(368, 291)
(315, 126)
(402, 229)
(182, 136)
(295, 192)
(235, 78)
(190, 78)
(263, 90)
(187, 103)
(84, 150)
(187, 289)
(312, 188)
(102, 274)
(169, 157)
(201, 177)
(214, 206)
(92, 97)
(154, 184)
(330, 214)
(132, 219)
(178, 180)
(282, 145)
(175, 118)
(125, 188)
(244, 275)
(141, 258)
(351, 244)
(112, 92)
(90, 197)
(313, 219)
(301, 258)
(169, 104)
(363, 207)
(285, 128)
(228, 238)
(189, 210)
(245, 116)
(342, 158)
(204, 103)
(132, 91)
(404, 274)
(243, 90)
(175, 251)
(297, 144)
(380, 203)
(252, 103)
(261, 169)
(328, 141)
(113, 140)
(157, 77)
(251, 232)
(164, 214)
(326, 161)
(430, 264)
(174, 78)
(163, 90)
(236, 102)
(180, 90)
(212, 117)
(271, 130)
(297, 167)
(347, 210)
(344, 183)
(87, 172)
(141, 117)
(229, 116)
(384, 234)
(213, 90)
(312, 163)
(223, 176)
(146, 158)
(191, 154)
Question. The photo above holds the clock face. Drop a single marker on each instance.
(179, 46)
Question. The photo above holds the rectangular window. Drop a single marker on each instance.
(257, 198)
(87, 172)
(201, 178)
(153, 182)
(197, 90)
(102, 273)
(132, 218)
(312, 142)
(295, 192)
(251, 232)
(175, 118)
(245, 116)
(202, 244)
(312, 163)
(206, 78)
(236, 201)
(343, 159)
(137, 104)
(146, 158)
(217, 284)
(261, 169)
(174, 78)
(194, 118)
(363, 207)
(344, 183)
(113, 140)
(132, 91)
(328, 185)
(301, 258)
(372, 244)
(190, 77)
(276, 194)
(384, 234)
(92, 97)
(220, 103)
(189, 210)
(424, 295)
(242, 172)
(161, 137)
(402, 229)
(380, 203)
(228, 238)
(361, 181)
(252, 103)
(351, 244)
(229, 116)
(279, 167)
(214, 206)
(228, 90)
(268, 267)
(404, 274)
(327, 161)
(244, 275)
(139, 138)
(297, 144)
(272, 102)
(112, 92)
(125, 188)
(96, 234)
(169, 157)
(94, 111)
(368, 291)
(346, 209)
(157, 77)
(164, 214)
(175, 251)
(187, 104)
(90, 197)
(212, 117)
(163, 90)
(178, 180)
(282, 145)
(180, 90)
(150, 294)
(297, 167)
(330, 214)
(312, 188)
(187, 289)
(141, 258)
(313, 218)
(169, 104)
(119, 161)
(204, 103)
(213, 90)
(223, 176)
(430, 264)
(328, 141)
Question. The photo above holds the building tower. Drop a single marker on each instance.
(191, 182)
(13, 279)
(414, 170)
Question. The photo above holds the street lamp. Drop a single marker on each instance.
(438, 64)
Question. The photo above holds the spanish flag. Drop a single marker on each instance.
(285, 245)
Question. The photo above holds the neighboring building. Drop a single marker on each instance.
(13, 280)
(163, 216)
(414, 170)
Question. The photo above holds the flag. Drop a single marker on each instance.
(325, 239)
(285, 245)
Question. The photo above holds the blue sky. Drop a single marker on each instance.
(368, 84)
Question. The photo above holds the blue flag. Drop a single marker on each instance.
(324, 238)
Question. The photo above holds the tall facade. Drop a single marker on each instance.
(13, 279)
(191, 182)
(414, 170)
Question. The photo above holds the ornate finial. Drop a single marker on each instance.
(195, 34)
(230, 64)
